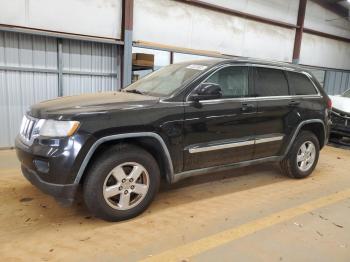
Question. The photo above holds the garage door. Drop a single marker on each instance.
(30, 72)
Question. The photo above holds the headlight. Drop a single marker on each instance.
(53, 128)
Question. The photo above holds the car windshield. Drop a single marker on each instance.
(166, 80)
(346, 93)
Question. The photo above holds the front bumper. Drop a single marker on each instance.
(64, 194)
(50, 167)
(340, 123)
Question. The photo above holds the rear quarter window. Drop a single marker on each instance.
(302, 84)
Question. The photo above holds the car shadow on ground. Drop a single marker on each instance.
(28, 205)
(217, 184)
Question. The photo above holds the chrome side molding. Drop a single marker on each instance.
(193, 150)
(268, 139)
(218, 147)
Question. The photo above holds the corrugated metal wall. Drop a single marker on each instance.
(29, 73)
(89, 67)
(336, 82)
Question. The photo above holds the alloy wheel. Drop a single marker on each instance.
(306, 156)
(126, 186)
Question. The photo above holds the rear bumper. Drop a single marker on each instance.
(63, 193)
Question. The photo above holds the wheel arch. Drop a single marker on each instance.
(152, 142)
(316, 126)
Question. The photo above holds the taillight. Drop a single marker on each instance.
(329, 103)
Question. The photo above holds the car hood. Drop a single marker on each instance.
(87, 104)
(341, 103)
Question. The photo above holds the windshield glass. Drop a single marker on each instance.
(346, 93)
(165, 81)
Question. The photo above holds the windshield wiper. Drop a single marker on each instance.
(135, 91)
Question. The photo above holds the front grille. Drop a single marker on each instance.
(27, 127)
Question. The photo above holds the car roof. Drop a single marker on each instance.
(217, 61)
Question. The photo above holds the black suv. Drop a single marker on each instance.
(180, 121)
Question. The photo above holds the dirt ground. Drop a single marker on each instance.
(250, 214)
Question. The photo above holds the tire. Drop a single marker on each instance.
(297, 169)
(110, 192)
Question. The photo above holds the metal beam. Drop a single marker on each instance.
(299, 31)
(57, 34)
(28, 69)
(128, 10)
(323, 34)
(82, 73)
(230, 11)
(175, 49)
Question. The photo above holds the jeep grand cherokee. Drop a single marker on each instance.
(180, 121)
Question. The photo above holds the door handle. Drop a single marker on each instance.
(294, 103)
(246, 107)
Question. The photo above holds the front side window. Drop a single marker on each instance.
(302, 84)
(233, 81)
(270, 82)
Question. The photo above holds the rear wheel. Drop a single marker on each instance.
(121, 183)
(302, 157)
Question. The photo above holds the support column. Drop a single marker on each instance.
(128, 10)
(60, 66)
(171, 57)
(299, 31)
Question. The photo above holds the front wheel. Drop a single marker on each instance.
(121, 183)
(302, 157)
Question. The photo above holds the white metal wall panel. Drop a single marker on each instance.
(160, 21)
(89, 57)
(22, 50)
(178, 57)
(74, 85)
(89, 67)
(324, 20)
(29, 74)
(20, 89)
(324, 52)
(100, 18)
(285, 11)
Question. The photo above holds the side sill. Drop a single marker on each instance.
(204, 171)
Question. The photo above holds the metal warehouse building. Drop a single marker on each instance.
(58, 48)
(35, 68)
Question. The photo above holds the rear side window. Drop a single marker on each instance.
(270, 82)
(302, 84)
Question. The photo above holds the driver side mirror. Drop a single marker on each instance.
(206, 91)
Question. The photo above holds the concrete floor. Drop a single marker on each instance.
(249, 214)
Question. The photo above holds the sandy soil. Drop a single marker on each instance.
(35, 228)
